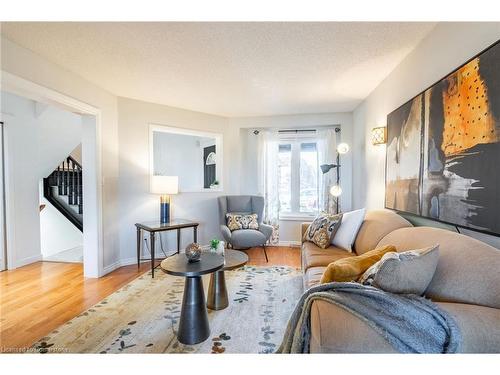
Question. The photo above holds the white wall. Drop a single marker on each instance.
(290, 229)
(447, 47)
(56, 232)
(136, 202)
(59, 133)
(30, 66)
(36, 142)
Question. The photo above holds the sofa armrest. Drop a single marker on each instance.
(336, 330)
(303, 229)
(226, 233)
(266, 230)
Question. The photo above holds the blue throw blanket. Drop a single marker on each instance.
(410, 323)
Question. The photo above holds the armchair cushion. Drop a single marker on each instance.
(226, 233)
(243, 205)
(244, 238)
(266, 230)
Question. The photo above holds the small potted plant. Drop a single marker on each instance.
(214, 184)
(214, 245)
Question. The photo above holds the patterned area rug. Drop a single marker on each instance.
(143, 316)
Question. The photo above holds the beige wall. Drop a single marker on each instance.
(447, 47)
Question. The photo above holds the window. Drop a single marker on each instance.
(308, 201)
(298, 176)
(285, 177)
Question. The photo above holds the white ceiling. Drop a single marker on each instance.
(229, 69)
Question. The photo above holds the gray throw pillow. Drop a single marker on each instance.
(408, 272)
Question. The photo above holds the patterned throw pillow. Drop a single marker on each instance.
(241, 221)
(322, 229)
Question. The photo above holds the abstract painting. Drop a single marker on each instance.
(457, 153)
(403, 164)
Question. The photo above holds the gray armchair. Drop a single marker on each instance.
(244, 238)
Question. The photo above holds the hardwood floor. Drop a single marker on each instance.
(38, 298)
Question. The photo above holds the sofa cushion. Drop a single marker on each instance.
(406, 272)
(312, 276)
(467, 270)
(322, 229)
(479, 325)
(244, 238)
(351, 268)
(314, 256)
(336, 330)
(377, 224)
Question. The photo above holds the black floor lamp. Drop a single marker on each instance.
(336, 190)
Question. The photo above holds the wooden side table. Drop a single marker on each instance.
(217, 291)
(156, 226)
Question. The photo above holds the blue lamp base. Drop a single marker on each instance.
(164, 209)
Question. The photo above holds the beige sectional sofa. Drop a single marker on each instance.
(466, 284)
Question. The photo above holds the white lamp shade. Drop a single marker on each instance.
(164, 184)
(343, 148)
(336, 190)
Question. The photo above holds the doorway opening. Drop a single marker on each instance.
(67, 175)
(3, 245)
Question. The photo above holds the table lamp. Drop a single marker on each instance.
(165, 186)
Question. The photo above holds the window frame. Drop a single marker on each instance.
(295, 140)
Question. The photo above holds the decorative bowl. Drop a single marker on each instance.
(193, 252)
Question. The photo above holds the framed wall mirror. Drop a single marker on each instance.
(194, 156)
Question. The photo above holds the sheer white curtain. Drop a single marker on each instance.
(267, 153)
(327, 154)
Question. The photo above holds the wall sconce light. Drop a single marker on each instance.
(379, 135)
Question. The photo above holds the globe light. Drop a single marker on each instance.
(336, 190)
(343, 148)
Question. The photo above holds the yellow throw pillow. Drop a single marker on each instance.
(352, 268)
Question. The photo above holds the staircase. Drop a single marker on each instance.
(64, 190)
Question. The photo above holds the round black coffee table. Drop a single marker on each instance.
(193, 323)
(217, 291)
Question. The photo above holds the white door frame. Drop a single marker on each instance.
(3, 243)
(93, 265)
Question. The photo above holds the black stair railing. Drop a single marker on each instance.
(63, 189)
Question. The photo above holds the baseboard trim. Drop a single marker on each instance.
(289, 243)
(118, 264)
(127, 262)
(23, 262)
(133, 260)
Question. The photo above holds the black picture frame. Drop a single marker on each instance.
(423, 136)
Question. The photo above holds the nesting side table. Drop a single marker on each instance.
(193, 323)
(217, 291)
